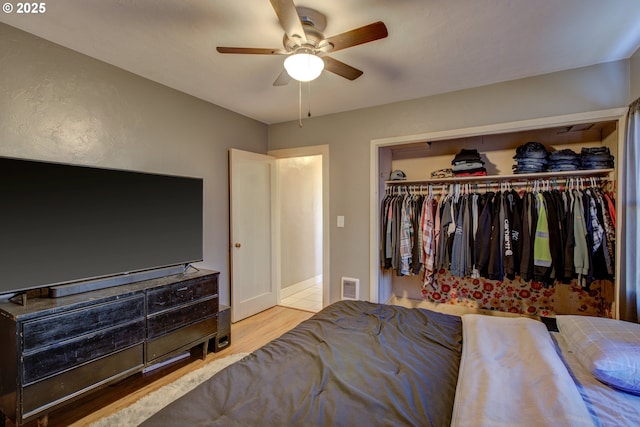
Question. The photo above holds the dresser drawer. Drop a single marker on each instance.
(185, 337)
(180, 293)
(50, 330)
(170, 320)
(67, 354)
(51, 391)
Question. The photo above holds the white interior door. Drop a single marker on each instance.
(252, 216)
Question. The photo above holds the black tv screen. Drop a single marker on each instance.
(64, 223)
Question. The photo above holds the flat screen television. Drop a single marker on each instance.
(62, 223)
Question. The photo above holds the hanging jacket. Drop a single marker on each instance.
(512, 229)
(541, 252)
(457, 249)
(570, 242)
(600, 254)
(586, 209)
(442, 252)
(406, 237)
(516, 230)
(385, 233)
(561, 238)
(475, 216)
(429, 211)
(483, 235)
(529, 222)
(554, 227)
(610, 231)
(495, 268)
(395, 238)
(581, 251)
(416, 243)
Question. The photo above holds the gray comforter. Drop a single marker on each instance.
(352, 364)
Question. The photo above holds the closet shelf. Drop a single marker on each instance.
(513, 177)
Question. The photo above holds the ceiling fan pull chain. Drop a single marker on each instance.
(309, 98)
(299, 103)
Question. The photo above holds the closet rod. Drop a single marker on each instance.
(518, 177)
(547, 181)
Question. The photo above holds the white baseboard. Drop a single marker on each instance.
(300, 286)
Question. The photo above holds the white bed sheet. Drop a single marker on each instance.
(609, 407)
(512, 375)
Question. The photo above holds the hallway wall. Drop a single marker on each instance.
(300, 182)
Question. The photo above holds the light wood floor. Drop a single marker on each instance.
(246, 336)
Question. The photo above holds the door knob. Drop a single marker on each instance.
(238, 245)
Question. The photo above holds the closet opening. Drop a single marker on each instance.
(467, 291)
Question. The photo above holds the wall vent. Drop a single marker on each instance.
(350, 288)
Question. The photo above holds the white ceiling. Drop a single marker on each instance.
(434, 46)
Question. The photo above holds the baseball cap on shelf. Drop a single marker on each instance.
(397, 175)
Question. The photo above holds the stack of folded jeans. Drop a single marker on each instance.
(596, 158)
(531, 157)
(564, 160)
(468, 163)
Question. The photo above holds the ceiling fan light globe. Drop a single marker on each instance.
(304, 66)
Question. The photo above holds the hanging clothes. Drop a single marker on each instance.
(581, 260)
(495, 270)
(400, 232)
(546, 235)
(529, 223)
(483, 234)
(429, 238)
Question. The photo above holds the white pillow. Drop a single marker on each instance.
(608, 348)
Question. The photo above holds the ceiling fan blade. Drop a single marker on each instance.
(251, 50)
(289, 19)
(283, 79)
(340, 68)
(366, 34)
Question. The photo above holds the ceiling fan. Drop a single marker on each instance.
(306, 47)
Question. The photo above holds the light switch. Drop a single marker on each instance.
(340, 221)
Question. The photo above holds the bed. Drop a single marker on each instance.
(359, 363)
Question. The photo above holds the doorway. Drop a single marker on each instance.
(302, 233)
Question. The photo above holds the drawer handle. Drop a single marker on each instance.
(183, 289)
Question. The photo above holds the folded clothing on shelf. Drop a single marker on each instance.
(473, 172)
(531, 157)
(468, 163)
(442, 173)
(564, 160)
(466, 156)
(465, 166)
(596, 158)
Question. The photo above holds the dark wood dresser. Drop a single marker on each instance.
(54, 350)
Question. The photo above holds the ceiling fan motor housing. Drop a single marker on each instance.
(313, 24)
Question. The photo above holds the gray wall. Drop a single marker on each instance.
(635, 76)
(63, 106)
(349, 135)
